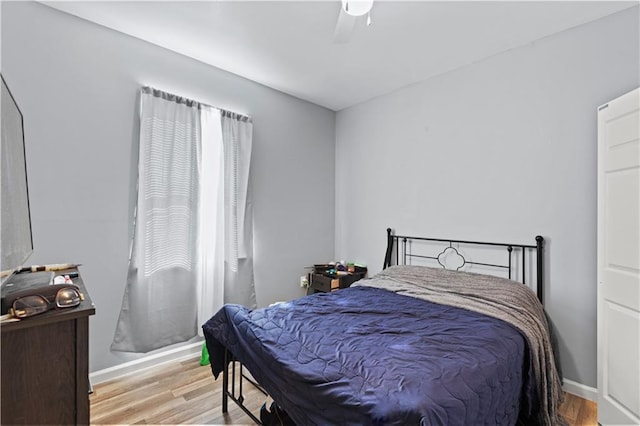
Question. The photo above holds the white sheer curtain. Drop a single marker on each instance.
(211, 218)
(193, 191)
(238, 209)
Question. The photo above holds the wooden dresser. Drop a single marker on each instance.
(45, 366)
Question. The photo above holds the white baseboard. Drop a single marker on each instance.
(578, 389)
(192, 350)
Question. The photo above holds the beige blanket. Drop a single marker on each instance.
(497, 297)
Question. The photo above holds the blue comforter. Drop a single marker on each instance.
(365, 355)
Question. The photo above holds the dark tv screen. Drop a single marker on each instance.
(16, 238)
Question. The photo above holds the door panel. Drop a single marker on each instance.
(621, 215)
(622, 357)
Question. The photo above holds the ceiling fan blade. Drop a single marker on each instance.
(344, 27)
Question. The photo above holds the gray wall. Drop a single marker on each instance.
(503, 149)
(77, 84)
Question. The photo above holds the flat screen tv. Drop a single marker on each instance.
(15, 233)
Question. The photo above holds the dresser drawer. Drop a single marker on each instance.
(323, 283)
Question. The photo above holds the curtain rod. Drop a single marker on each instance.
(192, 103)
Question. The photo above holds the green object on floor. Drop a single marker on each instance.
(204, 359)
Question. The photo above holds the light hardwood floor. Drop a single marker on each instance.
(186, 393)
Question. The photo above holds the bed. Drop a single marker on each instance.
(414, 344)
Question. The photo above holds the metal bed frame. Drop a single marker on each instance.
(401, 253)
(229, 387)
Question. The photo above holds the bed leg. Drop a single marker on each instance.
(229, 389)
(225, 382)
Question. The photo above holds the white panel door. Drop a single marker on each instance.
(619, 261)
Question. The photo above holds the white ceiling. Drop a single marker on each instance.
(288, 45)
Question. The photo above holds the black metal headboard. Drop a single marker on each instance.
(402, 254)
